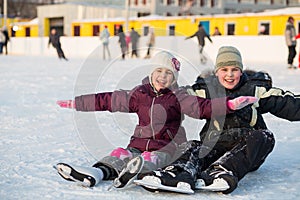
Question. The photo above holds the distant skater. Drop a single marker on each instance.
(150, 42)
(104, 37)
(54, 39)
(201, 35)
(134, 37)
(6, 35)
(122, 42)
(290, 39)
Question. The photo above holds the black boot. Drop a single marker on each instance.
(181, 173)
(219, 179)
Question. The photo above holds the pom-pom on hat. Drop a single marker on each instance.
(166, 60)
(228, 56)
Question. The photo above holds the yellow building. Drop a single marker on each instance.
(271, 22)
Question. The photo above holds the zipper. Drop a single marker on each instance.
(170, 135)
(151, 118)
(147, 145)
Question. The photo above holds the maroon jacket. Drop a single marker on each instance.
(160, 114)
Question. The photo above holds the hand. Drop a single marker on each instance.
(241, 102)
(66, 103)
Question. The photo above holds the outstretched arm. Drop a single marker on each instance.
(202, 108)
(283, 104)
(121, 101)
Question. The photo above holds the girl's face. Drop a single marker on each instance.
(229, 76)
(162, 78)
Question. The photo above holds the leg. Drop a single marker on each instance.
(184, 170)
(108, 52)
(107, 49)
(104, 47)
(6, 51)
(248, 155)
(60, 52)
(291, 56)
(107, 168)
(203, 59)
(1, 47)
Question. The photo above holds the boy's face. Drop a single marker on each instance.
(162, 78)
(229, 76)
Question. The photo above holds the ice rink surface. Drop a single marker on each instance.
(36, 134)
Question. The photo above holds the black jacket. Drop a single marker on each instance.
(283, 104)
(200, 34)
(54, 40)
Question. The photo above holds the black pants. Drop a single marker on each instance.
(248, 154)
(59, 51)
(292, 54)
(245, 154)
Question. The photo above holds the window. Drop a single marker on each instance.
(172, 30)
(76, 30)
(96, 30)
(230, 29)
(264, 28)
(27, 31)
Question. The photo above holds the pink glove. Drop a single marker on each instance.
(241, 102)
(66, 103)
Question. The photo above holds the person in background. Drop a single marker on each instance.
(160, 106)
(128, 41)
(201, 35)
(150, 42)
(217, 31)
(104, 37)
(134, 37)
(122, 41)
(5, 32)
(262, 30)
(290, 34)
(2, 41)
(54, 39)
(231, 147)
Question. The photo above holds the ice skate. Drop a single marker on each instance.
(129, 173)
(171, 179)
(86, 176)
(217, 179)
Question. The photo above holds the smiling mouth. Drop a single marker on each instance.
(229, 81)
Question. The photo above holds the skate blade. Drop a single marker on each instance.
(181, 187)
(218, 185)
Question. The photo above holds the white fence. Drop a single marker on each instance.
(253, 48)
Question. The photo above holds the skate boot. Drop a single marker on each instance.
(129, 173)
(217, 179)
(172, 178)
(178, 177)
(86, 176)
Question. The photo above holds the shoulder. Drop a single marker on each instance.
(259, 78)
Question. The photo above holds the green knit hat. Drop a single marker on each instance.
(228, 56)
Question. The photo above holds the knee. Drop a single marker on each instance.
(262, 140)
(121, 153)
(150, 157)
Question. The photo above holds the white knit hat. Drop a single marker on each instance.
(166, 60)
(228, 56)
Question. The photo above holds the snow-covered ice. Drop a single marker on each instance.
(36, 134)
